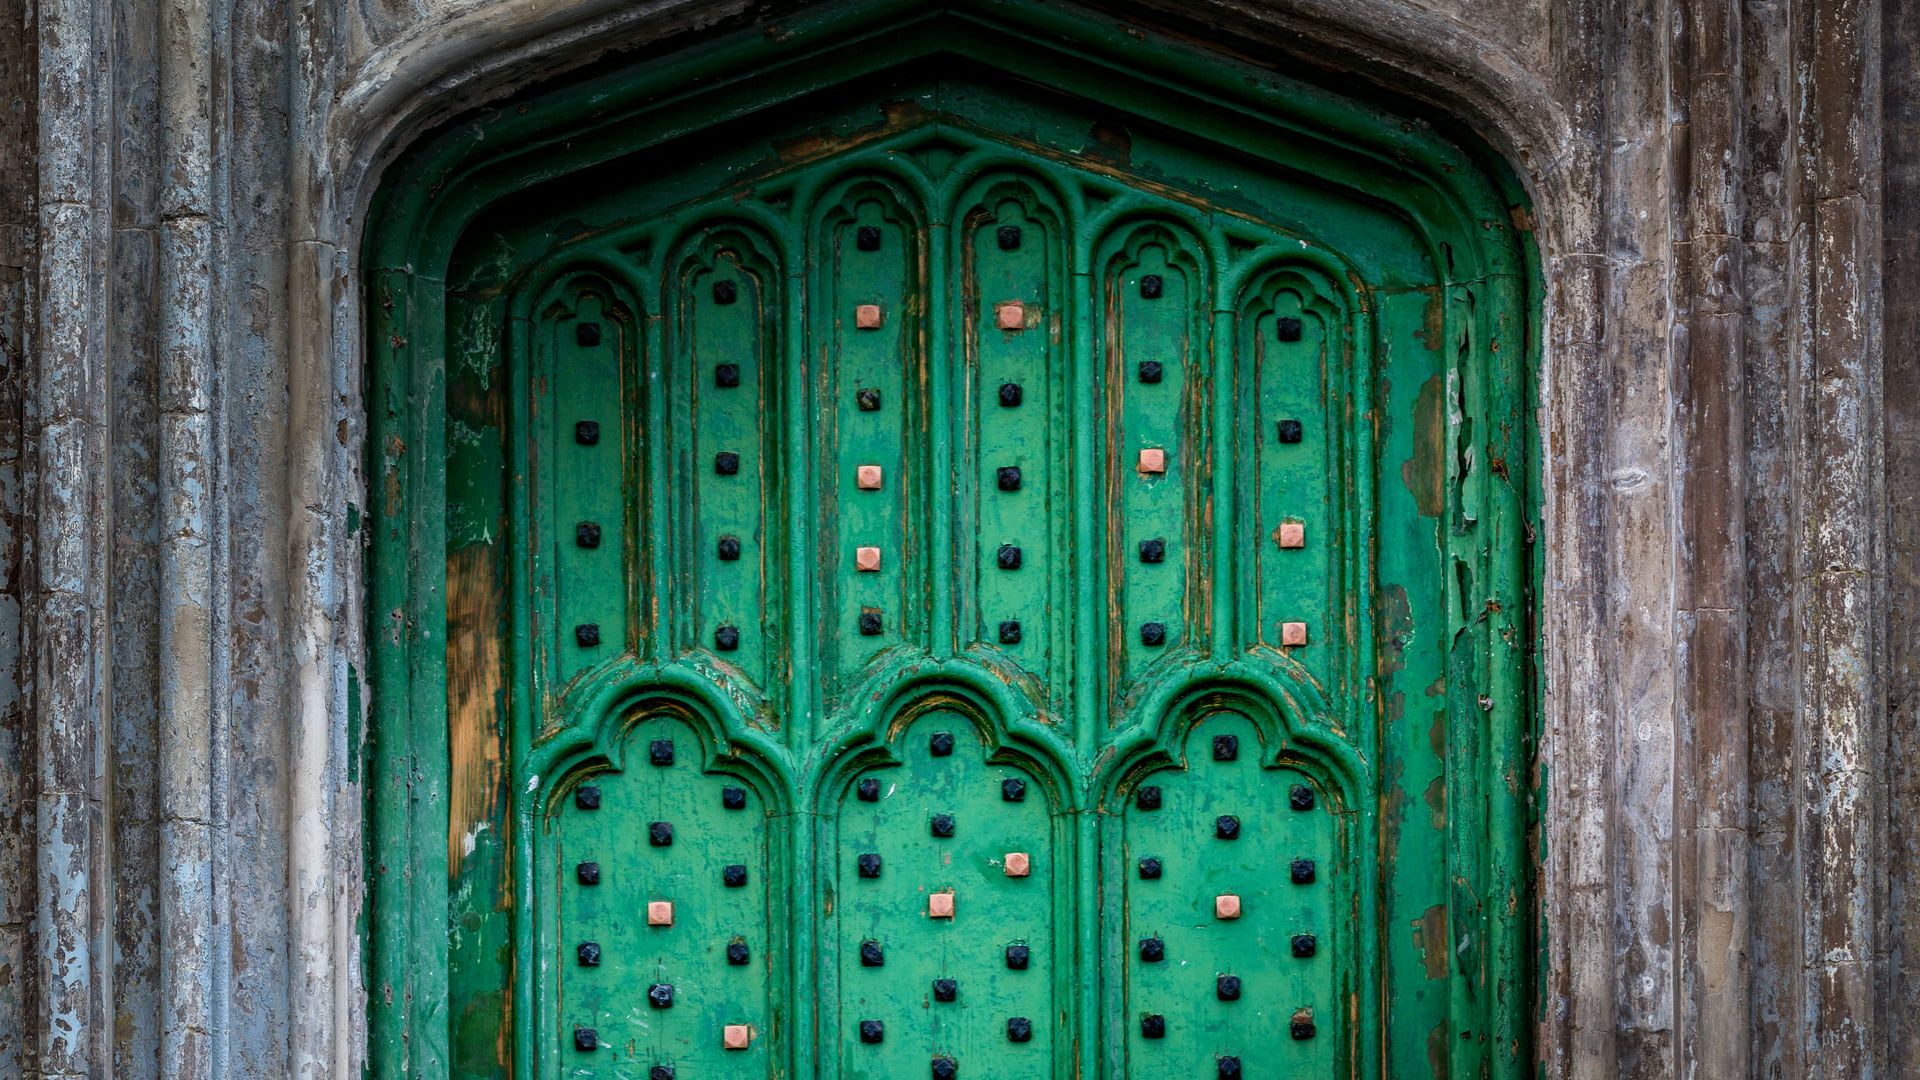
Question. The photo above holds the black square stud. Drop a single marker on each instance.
(1228, 1068)
(728, 548)
(1301, 870)
(1009, 557)
(1149, 869)
(1010, 631)
(725, 292)
(867, 238)
(1300, 797)
(869, 864)
(1290, 431)
(660, 752)
(587, 534)
(660, 833)
(940, 743)
(726, 376)
(941, 825)
(1010, 395)
(733, 876)
(588, 953)
(868, 399)
(1007, 477)
(1019, 1029)
(868, 790)
(1150, 371)
(1153, 1026)
(586, 635)
(660, 1072)
(869, 622)
(586, 1039)
(587, 873)
(733, 798)
(587, 333)
(1289, 327)
(945, 1068)
(1013, 789)
(660, 995)
(1018, 957)
(586, 432)
(1153, 551)
(1151, 286)
(1153, 634)
(1147, 798)
(1226, 827)
(1304, 945)
(726, 463)
(872, 1031)
(1009, 237)
(871, 954)
(946, 989)
(1226, 747)
(1301, 1025)
(1226, 987)
(726, 638)
(1152, 950)
(738, 954)
(587, 798)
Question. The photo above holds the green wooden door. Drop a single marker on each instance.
(951, 578)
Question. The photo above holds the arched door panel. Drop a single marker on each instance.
(1023, 530)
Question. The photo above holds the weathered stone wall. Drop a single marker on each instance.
(1728, 199)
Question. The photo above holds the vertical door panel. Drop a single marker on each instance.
(937, 823)
(1230, 928)
(664, 936)
(868, 345)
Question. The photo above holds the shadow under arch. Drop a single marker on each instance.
(1002, 718)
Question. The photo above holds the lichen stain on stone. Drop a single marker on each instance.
(1425, 473)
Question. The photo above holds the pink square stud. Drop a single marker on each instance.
(1018, 865)
(1011, 315)
(867, 477)
(1293, 633)
(1153, 461)
(1293, 534)
(659, 913)
(1226, 906)
(736, 1037)
(940, 905)
(866, 560)
(867, 316)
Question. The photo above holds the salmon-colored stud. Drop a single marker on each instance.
(940, 905)
(1293, 633)
(1293, 534)
(1011, 315)
(1018, 865)
(866, 560)
(867, 316)
(659, 913)
(1226, 906)
(867, 477)
(1153, 461)
(736, 1036)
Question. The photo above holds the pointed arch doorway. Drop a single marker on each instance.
(950, 541)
